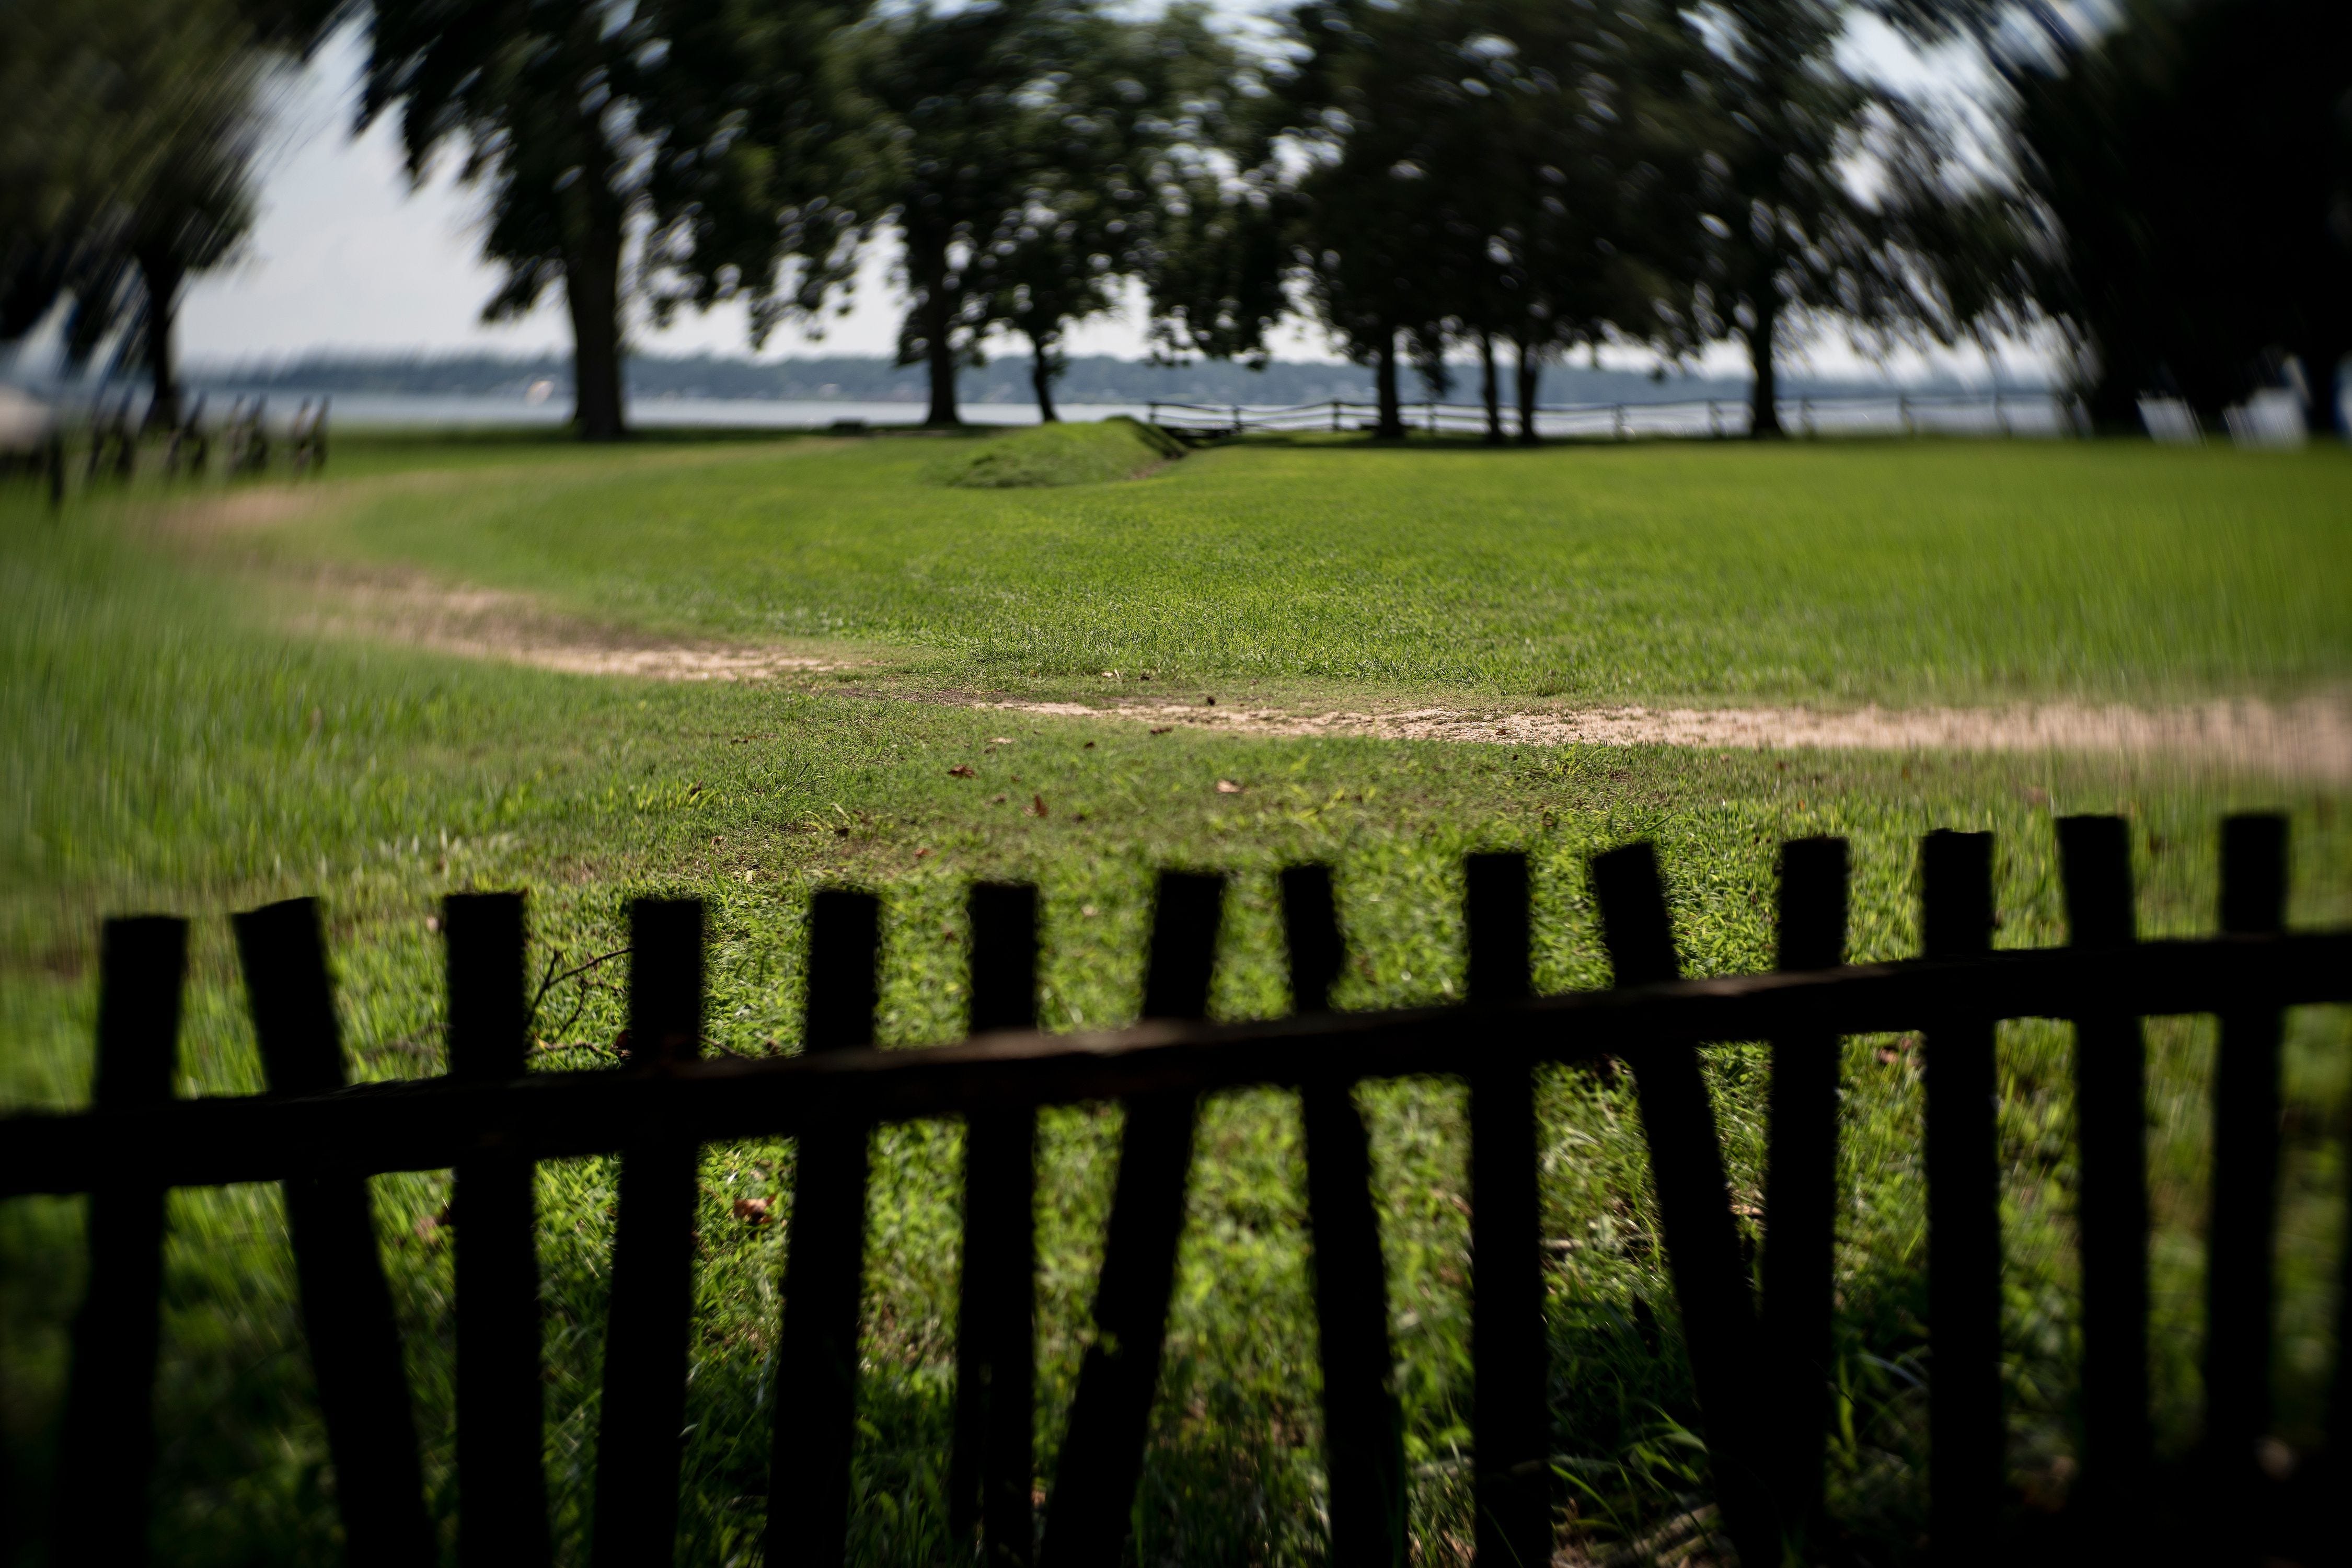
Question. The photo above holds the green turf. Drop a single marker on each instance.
(170, 749)
(1098, 452)
(1838, 573)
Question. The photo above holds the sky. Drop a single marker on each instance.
(346, 256)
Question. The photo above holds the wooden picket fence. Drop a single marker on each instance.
(1759, 1372)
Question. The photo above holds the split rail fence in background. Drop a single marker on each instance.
(1759, 1372)
(2043, 414)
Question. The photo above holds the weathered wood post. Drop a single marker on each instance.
(825, 1257)
(1363, 1429)
(1964, 1436)
(106, 1452)
(346, 1304)
(640, 1434)
(1093, 1501)
(501, 1416)
(992, 1467)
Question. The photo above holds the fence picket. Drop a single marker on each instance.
(2241, 1238)
(1711, 1285)
(346, 1305)
(991, 1469)
(1965, 1437)
(2110, 1132)
(640, 1436)
(1801, 1190)
(1511, 1419)
(1362, 1428)
(825, 1256)
(1089, 1516)
(106, 1451)
(501, 1436)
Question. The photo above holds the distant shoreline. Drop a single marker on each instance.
(1092, 380)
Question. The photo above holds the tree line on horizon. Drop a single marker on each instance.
(2167, 196)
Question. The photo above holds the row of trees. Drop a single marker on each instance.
(1513, 179)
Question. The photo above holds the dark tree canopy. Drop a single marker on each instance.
(125, 167)
(704, 126)
(2196, 163)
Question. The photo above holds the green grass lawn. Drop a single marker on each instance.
(1836, 573)
(172, 747)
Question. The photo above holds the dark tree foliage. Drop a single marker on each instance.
(1215, 257)
(2197, 164)
(1554, 179)
(1026, 152)
(1822, 200)
(968, 105)
(1371, 100)
(125, 167)
(703, 124)
(1090, 145)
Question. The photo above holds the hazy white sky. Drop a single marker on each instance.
(345, 256)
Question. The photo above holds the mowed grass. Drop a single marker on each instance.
(170, 749)
(1671, 571)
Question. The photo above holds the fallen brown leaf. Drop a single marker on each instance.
(1164, 728)
(1227, 786)
(1037, 805)
(753, 1211)
(960, 771)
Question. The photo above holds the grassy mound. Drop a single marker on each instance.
(1092, 454)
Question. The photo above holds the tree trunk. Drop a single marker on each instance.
(939, 355)
(1489, 389)
(162, 274)
(1764, 408)
(2319, 370)
(592, 292)
(1041, 378)
(1530, 374)
(1384, 379)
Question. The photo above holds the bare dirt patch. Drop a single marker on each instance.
(2310, 738)
(244, 509)
(487, 623)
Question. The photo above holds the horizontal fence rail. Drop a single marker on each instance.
(433, 1123)
(1895, 414)
(1758, 1360)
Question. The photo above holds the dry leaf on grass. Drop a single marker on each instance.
(1227, 786)
(960, 771)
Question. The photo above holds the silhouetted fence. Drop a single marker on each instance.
(1760, 1371)
(1893, 414)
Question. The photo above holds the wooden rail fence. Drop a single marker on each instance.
(1995, 413)
(1758, 1368)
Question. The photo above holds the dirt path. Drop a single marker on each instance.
(484, 623)
(2310, 738)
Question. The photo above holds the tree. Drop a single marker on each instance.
(1483, 171)
(1780, 229)
(128, 167)
(2195, 165)
(1153, 97)
(1056, 262)
(698, 124)
(1561, 174)
(1370, 113)
(1818, 198)
(969, 103)
(1214, 262)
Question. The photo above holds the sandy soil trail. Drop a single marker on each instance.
(2310, 738)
